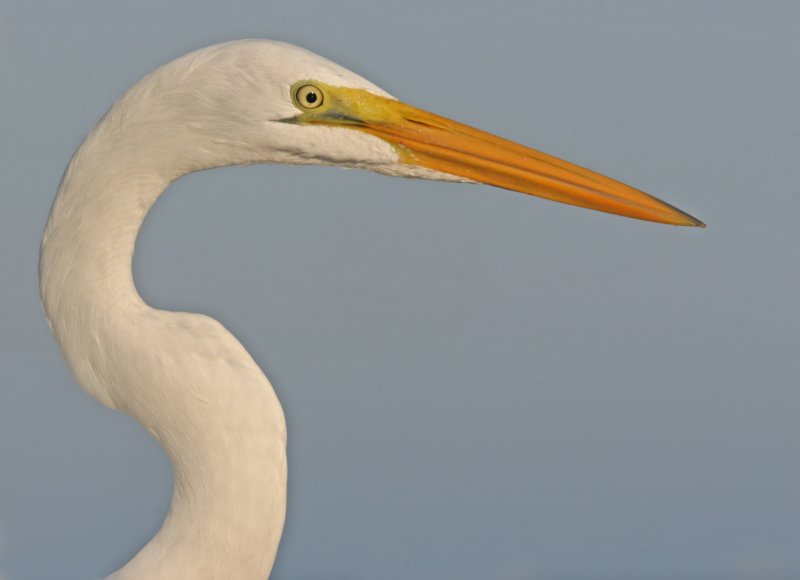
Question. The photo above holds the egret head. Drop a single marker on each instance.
(272, 102)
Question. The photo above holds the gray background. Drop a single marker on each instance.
(478, 384)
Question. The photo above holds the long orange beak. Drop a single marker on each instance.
(428, 140)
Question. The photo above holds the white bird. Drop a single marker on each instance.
(183, 376)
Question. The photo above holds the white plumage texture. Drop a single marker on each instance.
(183, 376)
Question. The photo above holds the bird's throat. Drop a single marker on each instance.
(183, 376)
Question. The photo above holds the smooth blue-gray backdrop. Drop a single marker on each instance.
(478, 384)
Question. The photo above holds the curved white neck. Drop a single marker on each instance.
(182, 376)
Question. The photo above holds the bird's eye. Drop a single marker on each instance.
(308, 96)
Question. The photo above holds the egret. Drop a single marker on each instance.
(183, 376)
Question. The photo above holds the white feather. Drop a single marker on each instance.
(183, 376)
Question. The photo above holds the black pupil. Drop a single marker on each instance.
(311, 98)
